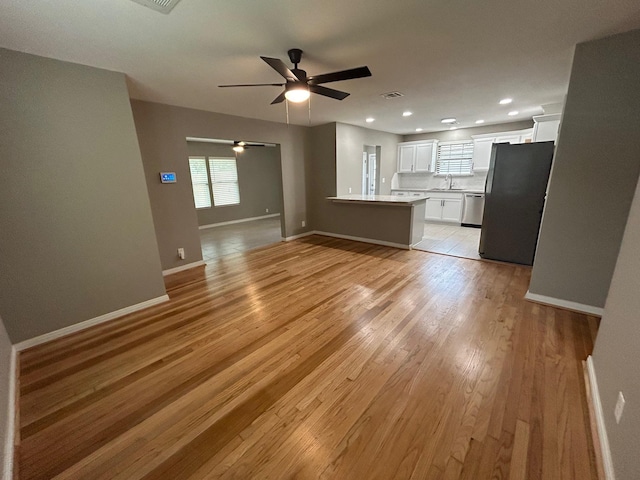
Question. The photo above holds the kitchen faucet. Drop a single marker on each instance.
(449, 180)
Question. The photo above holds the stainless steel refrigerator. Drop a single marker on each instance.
(513, 201)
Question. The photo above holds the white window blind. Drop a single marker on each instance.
(224, 181)
(200, 182)
(455, 158)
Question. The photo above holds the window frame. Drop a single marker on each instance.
(225, 182)
(469, 157)
(211, 182)
(200, 183)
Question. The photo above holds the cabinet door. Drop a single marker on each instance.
(424, 154)
(452, 210)
(433, 210)
(482, 153)
(406, 158)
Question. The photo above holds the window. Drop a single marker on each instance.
(199, 182)
(217, 179)
(455, 158)
(224, 181)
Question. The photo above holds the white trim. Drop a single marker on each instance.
(47, 337)
(9, 439)
(524, 131)
(566, 304)
(365, 240)
(242, 220)
(300, 235)
(187, 266)
(548, 117)
(609, 473)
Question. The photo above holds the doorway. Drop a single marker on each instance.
(370, 169)
(237, 195)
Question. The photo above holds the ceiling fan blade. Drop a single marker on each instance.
(280, 67)
(254, 85)
(359, 72)
(278, 99)
(328, 92)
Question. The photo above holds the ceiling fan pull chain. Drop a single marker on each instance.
(309, 111)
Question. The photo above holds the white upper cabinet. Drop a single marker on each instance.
(406, 158)
(425, 155)
(482, 145)
(546, 127)
(482, 153)
(417, 156)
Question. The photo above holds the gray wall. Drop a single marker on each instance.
(350, 141)
(77, 236)
(259, 182)
(162, 132)
(617, 351)
(390, 224)
(5, 365)
(465, 133)
(594, 175)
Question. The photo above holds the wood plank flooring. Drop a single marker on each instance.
(318, 359)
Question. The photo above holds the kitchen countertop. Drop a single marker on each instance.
(438, 190)
(378, 199)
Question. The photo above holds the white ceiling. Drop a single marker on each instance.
(448, 57)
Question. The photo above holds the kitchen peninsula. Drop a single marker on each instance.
(382, 219)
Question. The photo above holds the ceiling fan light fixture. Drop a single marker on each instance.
(296, 92)
(238, 148)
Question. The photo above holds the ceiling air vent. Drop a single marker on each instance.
(390, 95)
(162, 6)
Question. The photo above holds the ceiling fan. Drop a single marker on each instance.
(240, 146)
(298, 86)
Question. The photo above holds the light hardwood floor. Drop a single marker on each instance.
(217, 242)
(318, 358)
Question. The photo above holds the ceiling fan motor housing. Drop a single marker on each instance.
(295, 55)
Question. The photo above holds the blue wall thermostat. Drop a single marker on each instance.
(168, 177)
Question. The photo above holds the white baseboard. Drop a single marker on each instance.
(365, 240)
(242, 220)
(181, 268)
(300, 235)
(9, 439)
(47, 337)
(566, 304)
(602, 430)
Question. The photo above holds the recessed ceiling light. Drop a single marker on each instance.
(407, 114)
(478, 122)
(453, 128)
(370, 119)
(513, 112)
(506, 101)
(448, 120)
(418, 129)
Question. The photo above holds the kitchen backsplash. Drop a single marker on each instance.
(429, 180)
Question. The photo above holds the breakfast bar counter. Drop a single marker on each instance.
(382, 219)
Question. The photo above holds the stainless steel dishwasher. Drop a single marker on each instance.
(473, 210)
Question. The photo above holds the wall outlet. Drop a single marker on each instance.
(383, 179)
(619, 407)
(266, 210)
(349, 189)
(181, 253)
(304, 223)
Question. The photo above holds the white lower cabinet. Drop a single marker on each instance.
(444, 207)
